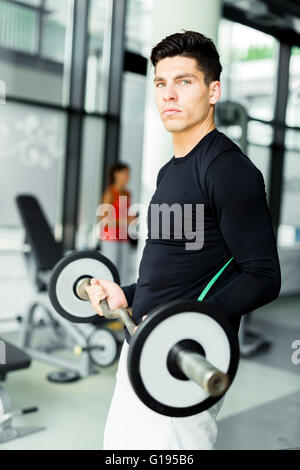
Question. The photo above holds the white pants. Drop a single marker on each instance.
(119, 254)
(132, 425)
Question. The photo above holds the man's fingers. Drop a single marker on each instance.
(95, 289)
(98, 282)
(96, 293)
(97, 308)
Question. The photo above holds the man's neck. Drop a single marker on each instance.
(184, 142)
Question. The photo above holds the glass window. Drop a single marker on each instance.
(292, 140)
(34, 28)
(32, 156)
(54, 25)
(18, 27)
(131, 139)
(34, 3)
(259, 140)
(138, 26)
(260, 133)
(99, 30)
(289, 229)
(290, 214)
(293, 106)
(249, 60)
(90, 182)
(29, 37)
(260, 156)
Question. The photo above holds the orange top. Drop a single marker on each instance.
(116, 228)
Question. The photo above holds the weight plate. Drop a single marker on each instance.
(105, 340)
(147, 358)
(63, 376)
(71, 268)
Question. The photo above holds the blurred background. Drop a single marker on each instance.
(76, 96)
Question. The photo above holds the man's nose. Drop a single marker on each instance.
(169, 93)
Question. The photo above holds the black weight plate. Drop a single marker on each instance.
(147, 357)
(63, 376)
(63, 280)
(105, 339)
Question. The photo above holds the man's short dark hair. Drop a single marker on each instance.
(190, 44)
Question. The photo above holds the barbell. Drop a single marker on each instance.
(182, 359)
(102, 347)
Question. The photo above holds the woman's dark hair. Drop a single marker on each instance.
(112, 169)
(190, 44)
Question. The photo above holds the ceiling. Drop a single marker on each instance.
(276, 17)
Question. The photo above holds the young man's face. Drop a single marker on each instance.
(180, 87)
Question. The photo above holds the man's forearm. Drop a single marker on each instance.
(247, 292)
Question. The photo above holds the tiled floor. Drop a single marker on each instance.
(266, 392)
(271, 426)
(261, 410)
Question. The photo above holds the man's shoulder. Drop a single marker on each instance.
(166, 164)
(232, 166)
(221, 143)
(224, 151)
(163, 169)
(224, 160)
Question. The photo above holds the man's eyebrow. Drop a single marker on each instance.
(181, 75)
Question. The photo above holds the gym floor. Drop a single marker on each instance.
(261, 410)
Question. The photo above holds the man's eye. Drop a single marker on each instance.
(160, 85)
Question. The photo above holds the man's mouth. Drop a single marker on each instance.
(169, 112)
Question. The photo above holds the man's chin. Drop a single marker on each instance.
(171, 127)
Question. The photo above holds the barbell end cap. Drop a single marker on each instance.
(81, 286)
(216, 383)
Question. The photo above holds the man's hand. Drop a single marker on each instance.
(101, 289)
(136, 327)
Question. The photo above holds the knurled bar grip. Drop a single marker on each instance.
(120, 313)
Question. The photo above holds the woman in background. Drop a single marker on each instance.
(114, 234)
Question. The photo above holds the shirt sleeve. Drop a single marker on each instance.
(236, 194)
(129, 292)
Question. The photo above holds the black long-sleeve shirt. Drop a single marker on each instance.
(237, 224)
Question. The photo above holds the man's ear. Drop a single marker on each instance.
(214, 91)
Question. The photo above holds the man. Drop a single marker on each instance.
(206, 168)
